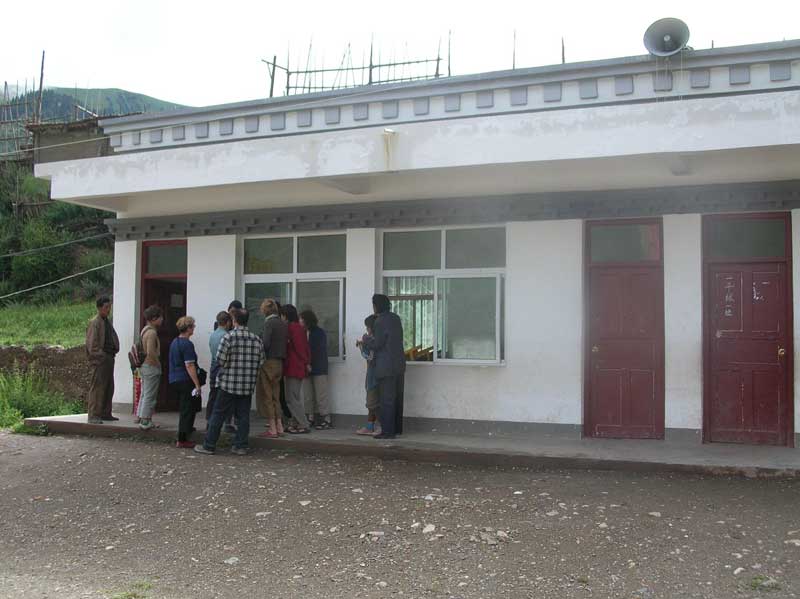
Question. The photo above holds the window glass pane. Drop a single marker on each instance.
(412, 300)
(321, 253)
(322, 297)
(255, 293)
(475, 248)
(467, 318)
(625, 243)
(166, 259)
(412, 250)
(270, 255)
(747, 238)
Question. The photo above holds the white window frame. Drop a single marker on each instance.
(293, 278)
(454, 273)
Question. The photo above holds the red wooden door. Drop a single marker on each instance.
(748, 331)
(625, 350)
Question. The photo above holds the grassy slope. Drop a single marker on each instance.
(31, 325)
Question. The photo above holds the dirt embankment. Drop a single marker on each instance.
(66, 370)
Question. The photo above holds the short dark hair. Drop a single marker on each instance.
(291, 313)
(223, 318)
(241, 316)
(152, 313)
(235, 304)
(102, 301)
(381, 303)
(369, 321)
(309, 318)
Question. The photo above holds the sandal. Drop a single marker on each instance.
(293, 430)
(269, 435)
(324, 425)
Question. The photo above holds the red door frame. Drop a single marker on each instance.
(587, 342)
(707, 301)
(145, 276)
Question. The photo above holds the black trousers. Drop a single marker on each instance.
(187, 410)
(390, 399)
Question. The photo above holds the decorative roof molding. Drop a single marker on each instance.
(740, 69)
(747, 197)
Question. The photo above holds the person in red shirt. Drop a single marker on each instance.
(298, 362)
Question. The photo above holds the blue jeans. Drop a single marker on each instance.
(225, 405)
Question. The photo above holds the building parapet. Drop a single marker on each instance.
(756, 68)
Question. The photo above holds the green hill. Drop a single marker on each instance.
(58, 103)
(111, 101)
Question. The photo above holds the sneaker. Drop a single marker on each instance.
(146, 425)
(185, 444)
(110, 418)
(366, 430)
(95, 420)
(202, 449)
(238, 450)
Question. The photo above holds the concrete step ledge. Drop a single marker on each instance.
(415, 450)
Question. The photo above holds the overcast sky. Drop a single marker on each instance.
(202, 52)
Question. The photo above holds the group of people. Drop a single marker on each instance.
(286, 367)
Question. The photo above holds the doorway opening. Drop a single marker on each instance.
(164, 284)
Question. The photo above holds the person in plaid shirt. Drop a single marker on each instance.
(239, 357)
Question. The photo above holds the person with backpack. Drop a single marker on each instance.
(150, 369)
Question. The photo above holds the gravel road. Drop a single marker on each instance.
(126, 519)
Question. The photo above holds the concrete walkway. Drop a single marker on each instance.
(507, 449)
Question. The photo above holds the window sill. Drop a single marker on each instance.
(457, 363)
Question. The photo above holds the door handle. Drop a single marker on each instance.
(781, 352)
(595, 349)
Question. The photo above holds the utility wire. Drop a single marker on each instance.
(77, 274)
(49, 247)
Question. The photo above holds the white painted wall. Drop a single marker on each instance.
(211, 277)
(126, 311)
(541, 379)
(683, 321)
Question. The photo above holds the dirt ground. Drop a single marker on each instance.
(66, 369)
(127, 519)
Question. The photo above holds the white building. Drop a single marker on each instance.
(603, 245)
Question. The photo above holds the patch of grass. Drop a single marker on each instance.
(138, 590)
(764, 583)
(30, 325)
(40, 430)
(24, 394)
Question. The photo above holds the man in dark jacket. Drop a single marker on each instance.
(102, 344)
(390, 366)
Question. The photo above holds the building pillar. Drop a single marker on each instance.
(796, 315)
(126, 316)
(347, 377)
(683, 321)
(542, 378)
(211, 283)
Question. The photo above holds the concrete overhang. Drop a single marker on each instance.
(751, 137)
